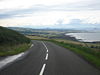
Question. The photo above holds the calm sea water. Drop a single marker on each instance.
(86, 37)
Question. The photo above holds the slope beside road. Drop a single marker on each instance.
(46, 58)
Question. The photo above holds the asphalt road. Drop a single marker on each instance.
(46, 58)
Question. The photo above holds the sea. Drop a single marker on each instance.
(85, 37)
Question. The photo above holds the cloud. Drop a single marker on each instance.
(53, 18)
(76, 23)
(50, 13)
(51, 4)
(21, 12)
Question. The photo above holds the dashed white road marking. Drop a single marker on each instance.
(42, 70)
(47, 51)
(46, 58)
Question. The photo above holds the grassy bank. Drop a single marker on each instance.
(12, 42)
(7, 50)
(87, 53)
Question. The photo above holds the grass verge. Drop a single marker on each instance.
(13, 49)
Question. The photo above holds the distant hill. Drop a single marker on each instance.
(21, 30)
(8, 36)
(30, 31)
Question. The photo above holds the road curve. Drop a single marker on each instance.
(46, 58)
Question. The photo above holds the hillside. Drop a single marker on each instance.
(8, 36)
(12, 42)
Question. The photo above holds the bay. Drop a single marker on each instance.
(85, 37)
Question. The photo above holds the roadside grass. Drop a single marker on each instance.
(12, 42)
(7, 50)
(93, 46)
(36, 37)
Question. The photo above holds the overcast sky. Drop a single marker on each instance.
(50, 13)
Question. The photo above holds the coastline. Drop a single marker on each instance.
(84, 37)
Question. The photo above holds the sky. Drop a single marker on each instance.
(50, 13)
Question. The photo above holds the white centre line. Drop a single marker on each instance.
(42, 70)
(47, 51)
(46, 58)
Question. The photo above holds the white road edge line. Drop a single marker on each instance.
(46, 58)
(31, 45)
(10, 59)
(42, 70)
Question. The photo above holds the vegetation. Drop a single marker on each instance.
(94, 46)
(35, 37)
(48, 33)
(71, 40)
(13, 49)
(12, 42)
(11, 37)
